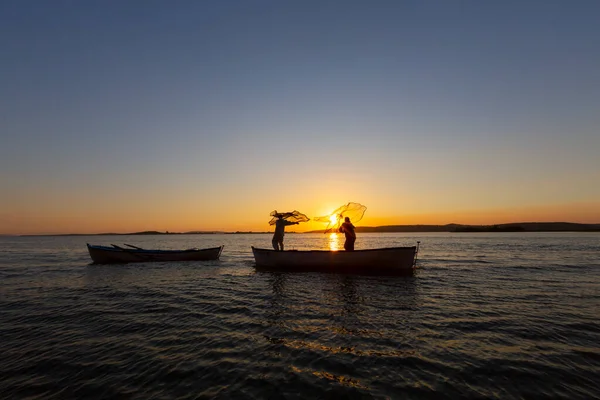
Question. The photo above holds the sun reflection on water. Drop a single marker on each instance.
(334, 241)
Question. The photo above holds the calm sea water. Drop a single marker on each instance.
(486, 316)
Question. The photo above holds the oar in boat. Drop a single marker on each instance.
(132, 246)
(141, 256)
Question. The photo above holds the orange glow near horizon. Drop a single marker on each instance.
(190, 217)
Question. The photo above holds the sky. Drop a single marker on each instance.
(132, 115)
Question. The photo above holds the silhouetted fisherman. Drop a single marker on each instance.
(280, 225)
(348, 229)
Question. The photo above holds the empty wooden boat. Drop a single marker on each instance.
(117, 254)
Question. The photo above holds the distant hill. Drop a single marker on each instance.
(512, 227)
(116, 234)
(531, 227)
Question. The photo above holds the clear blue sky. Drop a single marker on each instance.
(194, 114)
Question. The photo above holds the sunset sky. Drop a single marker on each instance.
(120, 116)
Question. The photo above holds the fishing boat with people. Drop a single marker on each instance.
(117, 255)
(380, 261)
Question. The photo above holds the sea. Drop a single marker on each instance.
(485, 316)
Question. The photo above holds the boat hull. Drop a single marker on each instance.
(117, 255)
(383, 261)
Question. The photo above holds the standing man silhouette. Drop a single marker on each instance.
(280, 225)
(348, 229)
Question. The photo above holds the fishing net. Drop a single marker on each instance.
(292, 216)
(354, 211)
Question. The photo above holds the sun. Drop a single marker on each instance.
(333, 219)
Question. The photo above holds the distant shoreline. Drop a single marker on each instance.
(146, 233)
(457, 228)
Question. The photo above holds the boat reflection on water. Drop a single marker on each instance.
(351, 300)
(329, 324)
(107, 276)
(319, 302)
(356, 297)
(275, 310)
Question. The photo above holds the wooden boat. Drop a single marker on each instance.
(383, 261)
(117, 254)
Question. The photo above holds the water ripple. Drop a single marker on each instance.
(476, 321)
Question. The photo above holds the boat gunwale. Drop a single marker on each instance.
(336, 251)
(142, 251)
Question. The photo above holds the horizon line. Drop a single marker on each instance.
(209, 232)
